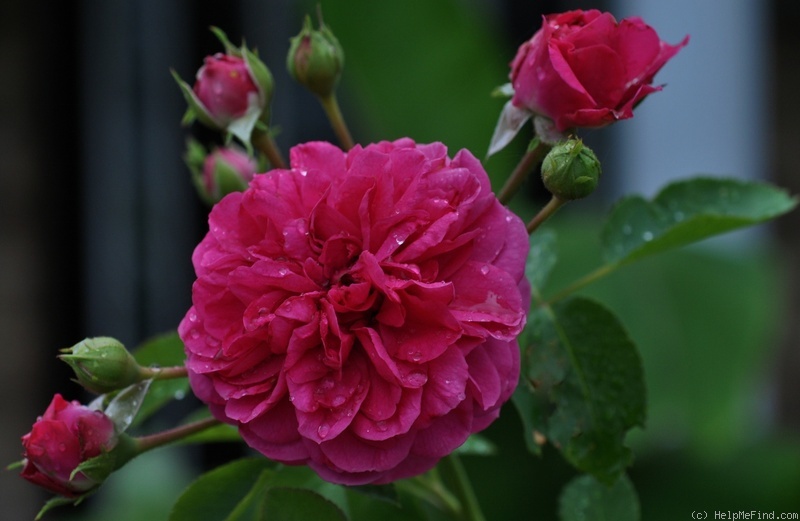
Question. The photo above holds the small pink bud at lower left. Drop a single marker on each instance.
(64, 437)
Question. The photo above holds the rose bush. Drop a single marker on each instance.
(226, 88)
(65, 436)
(583, 69)
(359, 312)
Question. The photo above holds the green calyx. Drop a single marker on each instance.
(316, 59)
(571, 170)
(102, 364)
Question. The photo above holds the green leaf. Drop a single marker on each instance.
(386, 493)
(586, 499)
(585, 383)
(223, 492)
(541, 259)
(477, 445)
(294, 504)
(688, 211)
(163, 350)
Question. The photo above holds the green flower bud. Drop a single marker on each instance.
(316, 59)
(571, 170)
(102, 364)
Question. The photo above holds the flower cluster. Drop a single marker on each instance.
(359, 311)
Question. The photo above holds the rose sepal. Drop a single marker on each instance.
(316, 59)
(196, 110)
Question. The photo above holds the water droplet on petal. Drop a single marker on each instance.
(323, 430)
(381, 425)
(462, 396)
(416, 379)
(415, 356)
(485, 269)
(338, 400)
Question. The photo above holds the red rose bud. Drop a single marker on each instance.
(102, 364)
(232, 91)
(225, 87)
(67, 435)
(571, 170)
(316, 59)
(583, 69)
(227, 170)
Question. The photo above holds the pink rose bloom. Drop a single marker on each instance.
(359, 312)
(583, 69)
(64, 437)
(225, 87)
(226, 170)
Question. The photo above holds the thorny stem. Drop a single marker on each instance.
(264, 142)
(521, 171)
(334, 113)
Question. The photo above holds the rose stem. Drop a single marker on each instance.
(547, 211)
(159, 439)
(456, 475)
(584, 281)
(334, 113)
(163, 373)
(264, 142)
(521, 171)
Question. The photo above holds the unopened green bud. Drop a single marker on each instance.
(316, 59)
(102, 364)
(571, 170)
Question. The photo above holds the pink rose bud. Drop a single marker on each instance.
(583, 69)
(227, 170)
(67, 435)
(225, 87)
(232, 91)
(359, 312)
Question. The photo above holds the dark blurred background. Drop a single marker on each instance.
(98, 216)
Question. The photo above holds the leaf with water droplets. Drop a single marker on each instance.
(586, 499)
(582, 386)
(688, 211)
